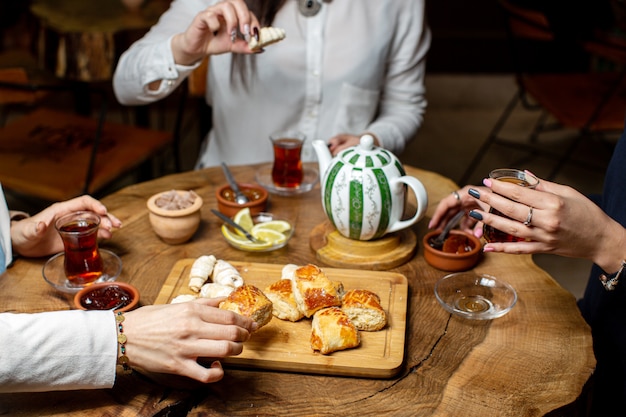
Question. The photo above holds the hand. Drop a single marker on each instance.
(171, 338)
(343, 141)
(215, 31)
(451, 205)
(564, 222)
(36, 236)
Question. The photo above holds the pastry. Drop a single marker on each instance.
(200, 271)
(364, 310)
(214, 290)
(313, 290)
(267, 36)
(226, 274)
(249, 301)
(283, 301)
(183, 298)
(332, 330)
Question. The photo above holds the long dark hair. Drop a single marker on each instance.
(245, 65)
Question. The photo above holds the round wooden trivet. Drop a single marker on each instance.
(390, 251)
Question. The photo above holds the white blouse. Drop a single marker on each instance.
(355, 67)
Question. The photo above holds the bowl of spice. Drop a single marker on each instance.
(116, 296)
(175, 215)
(460, 251)
(257, 199)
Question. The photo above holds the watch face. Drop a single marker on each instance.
(309, 7)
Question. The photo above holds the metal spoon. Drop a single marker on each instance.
(240, 198)
(231, 223)
(437, 242)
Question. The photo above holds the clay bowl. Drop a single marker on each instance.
(449, 261)
(174, 226)
(118, 296)
(255, 193)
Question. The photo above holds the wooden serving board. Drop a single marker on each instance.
(285, 346)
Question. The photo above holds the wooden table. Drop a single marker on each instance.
(534, 360)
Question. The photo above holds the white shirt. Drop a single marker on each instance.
(357, 66)
(61, 350)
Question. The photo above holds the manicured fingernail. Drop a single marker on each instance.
(475, 215)
(246, 32)
(233, 35)
(256, 33)
(488, 249)
(487, 182)
(473, 192)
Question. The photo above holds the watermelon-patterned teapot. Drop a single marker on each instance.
(363, 190)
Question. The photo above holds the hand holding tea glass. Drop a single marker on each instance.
(36, 236)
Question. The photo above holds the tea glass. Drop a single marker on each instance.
(515, 176)
(79, 232)
(287, 169)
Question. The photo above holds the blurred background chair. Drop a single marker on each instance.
(588, 99)
(51, 153)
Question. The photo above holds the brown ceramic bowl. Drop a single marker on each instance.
(174, 226)
(255, 193)
(119, 296)
(449, 261)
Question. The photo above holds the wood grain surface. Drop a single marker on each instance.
(531, 362)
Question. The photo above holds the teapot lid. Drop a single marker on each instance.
(367, 155)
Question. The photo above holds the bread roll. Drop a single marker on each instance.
(364, 310)
(313, 290)
(267, 36)
(332, 330)
(283, 300)
(200, 271)
(249, 301)
(214, 290)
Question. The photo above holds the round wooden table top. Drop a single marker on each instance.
(533, 360)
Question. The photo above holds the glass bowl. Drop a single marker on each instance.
(239, 241)
(475, 296)
(54, 273)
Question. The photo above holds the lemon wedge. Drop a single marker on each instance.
(269, 235)
(276, 225)
(244, 219)
(239, 241)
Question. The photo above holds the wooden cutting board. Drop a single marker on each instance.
(284, 346)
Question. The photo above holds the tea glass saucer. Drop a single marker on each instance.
(54, 272)
(309, 179)
(475, 296)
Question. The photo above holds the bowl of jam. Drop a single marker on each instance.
(116, 296)
(256, 194)
(460, 251)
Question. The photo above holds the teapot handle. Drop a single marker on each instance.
(422, 202)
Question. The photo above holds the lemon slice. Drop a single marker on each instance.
(244, 219)
(277, 225)
(239, 241)
(269, 235)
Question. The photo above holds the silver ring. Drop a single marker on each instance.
(529, 218)
(456, 195)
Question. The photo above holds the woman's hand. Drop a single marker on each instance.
(455, 202)
(36, 236)
(564, 222)
(216, 30)
(171, 338)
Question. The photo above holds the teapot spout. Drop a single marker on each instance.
(323, 154)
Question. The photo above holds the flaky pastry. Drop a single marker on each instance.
(364, 310)
(267, 36)
(249, 301)
(283, 300)
(313, 290)
(332, 330)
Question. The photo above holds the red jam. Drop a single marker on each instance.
(458, 244)
(106, 298)
(252, 194)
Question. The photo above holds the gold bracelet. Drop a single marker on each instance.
(609, 282)
(122, 360)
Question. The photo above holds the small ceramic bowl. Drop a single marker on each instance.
(174, 226)
(452, 261)
(255, 193)
(116, 296)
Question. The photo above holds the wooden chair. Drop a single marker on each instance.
(54, 154)
(591, 102)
